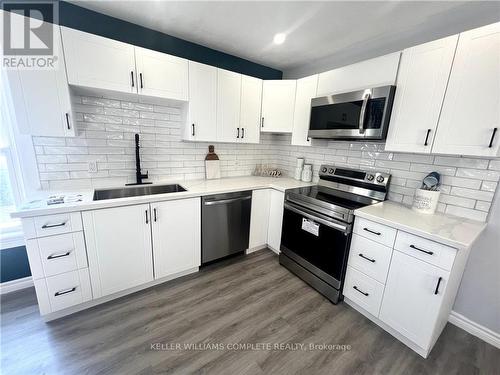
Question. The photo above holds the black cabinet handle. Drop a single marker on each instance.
(67, 121)
(132, 76)
(365, 257)
(147, 219)
(140, 79)
(437, 286)
(48, 226)
(192, 130)
(238, 135)
(422, 250)
(262, 122)
(242, 133)
(426, 143)
(55, 256)
(61, 292)
(359, 290)
(372, 231)
(493, 137)
(154, 214)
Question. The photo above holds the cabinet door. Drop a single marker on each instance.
(228, 106)
(202, 124)
(471, 112)
(306, 90)
(422, 79)
(278, 101)
(161, 75)
(275, 220)
(41, 98)
(251, 103)
(119, 248)
(259, 218)
(379, 71)
(176, 236)
(97, 62)
(413, 294)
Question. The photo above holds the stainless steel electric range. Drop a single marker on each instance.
(317, 225)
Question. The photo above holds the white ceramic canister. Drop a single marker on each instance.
(298, 173)
(307, 173)
(425, 201)
(300, 163)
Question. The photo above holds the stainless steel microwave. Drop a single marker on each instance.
(357, 115)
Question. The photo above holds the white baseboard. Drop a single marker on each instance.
(12, 286)
(475, 329)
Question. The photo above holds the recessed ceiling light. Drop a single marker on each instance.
(279, 38)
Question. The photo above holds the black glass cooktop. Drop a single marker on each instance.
(331, 196)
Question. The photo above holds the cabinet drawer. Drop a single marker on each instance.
(53, 255)
(363, 290)
(374, 231)
(426, 250)
(68, 289)
(41, 226)
(369, 257)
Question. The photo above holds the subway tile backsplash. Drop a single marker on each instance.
(106, 129)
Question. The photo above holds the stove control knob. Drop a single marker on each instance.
(370, 177)
(324, 169)
(331, 170)
(380, 179)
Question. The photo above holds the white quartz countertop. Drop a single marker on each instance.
(449, 230)
(195, 188)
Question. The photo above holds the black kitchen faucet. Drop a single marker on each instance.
(138, 174)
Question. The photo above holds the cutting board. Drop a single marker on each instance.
(212, 169)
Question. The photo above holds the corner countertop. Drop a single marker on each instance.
(450, 230)
(195, 188)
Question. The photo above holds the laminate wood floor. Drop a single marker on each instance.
(249, 300)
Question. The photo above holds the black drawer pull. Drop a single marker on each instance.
(365, 257)
(132, 76)
(242, 133)
(422, 250)
(262, 122)
(55, 256)
(492, 137)
(238, 135)
(437, 286)
(359, 290)
(154, 214)
(372, 231)
(61, 292)
(67, 121)
(426, 143)
(192, 130)
(147, 219)
(140, 78)
(48, 226)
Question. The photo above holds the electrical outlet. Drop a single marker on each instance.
(93, 166)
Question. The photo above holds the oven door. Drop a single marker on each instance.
(361, 114)
(316, 242)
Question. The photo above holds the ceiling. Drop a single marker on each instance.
(318, 33)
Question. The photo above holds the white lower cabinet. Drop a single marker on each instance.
(119, 248)
(259, 219)
(277, 200)
(413, 296)
(407, 288)
(176, 228)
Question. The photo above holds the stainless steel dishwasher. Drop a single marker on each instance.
(225, 225)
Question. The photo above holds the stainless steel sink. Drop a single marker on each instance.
(136, 191)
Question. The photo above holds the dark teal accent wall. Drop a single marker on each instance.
(14, 264)
(79, 18)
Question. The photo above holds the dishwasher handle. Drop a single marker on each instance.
(224, 201)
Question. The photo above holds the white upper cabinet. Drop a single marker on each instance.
(202, 121)
(41, 99)
(161, 75)
(97, 62)
(470, 117)
(306, 90)
(228, 106)
(278, 102)
(251, 102)
(380, 71)
(421, 86)
(176, 228)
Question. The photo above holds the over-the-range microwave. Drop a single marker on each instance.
(356, 115)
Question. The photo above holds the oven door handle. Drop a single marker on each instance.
(362, 114)
(313, 216)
